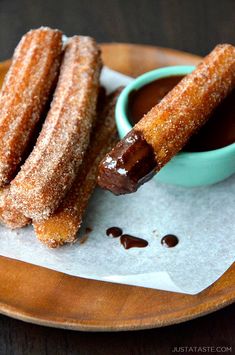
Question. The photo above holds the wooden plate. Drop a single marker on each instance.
(38, 295)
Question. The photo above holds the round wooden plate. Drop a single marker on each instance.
(38, 295)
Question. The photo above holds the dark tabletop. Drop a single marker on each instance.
(195, 26)
(213, 332)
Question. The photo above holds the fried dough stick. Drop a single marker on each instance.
(51, 168)
(25, 93)
(10, 216)
(166, 128)
(63, 225)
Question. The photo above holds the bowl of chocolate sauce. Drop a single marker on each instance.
(209, 155)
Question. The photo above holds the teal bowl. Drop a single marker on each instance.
(189, 169)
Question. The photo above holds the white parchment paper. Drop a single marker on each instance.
(202, 218)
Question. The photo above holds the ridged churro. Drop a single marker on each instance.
(51, 168)
(166, 128)
(63, 225)
(25, 93)
(10, 216)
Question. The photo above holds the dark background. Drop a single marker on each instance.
(191, 25)
(195, 26)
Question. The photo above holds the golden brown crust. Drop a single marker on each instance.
(63, 225)
(50, 170)
(24, 94)
(169, 125)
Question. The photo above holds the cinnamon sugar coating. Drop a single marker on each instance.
(24, 95)
(51, 168)
(168, 126)
(10, 216)
(63, 225)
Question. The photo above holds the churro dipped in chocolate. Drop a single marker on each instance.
(25, 92)
(51, 168)
(62, 226)
(166, 128)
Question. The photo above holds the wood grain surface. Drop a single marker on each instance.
(43, 296)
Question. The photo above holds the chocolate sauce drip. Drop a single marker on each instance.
(170, 240)
(114, 232)
(88, 230)
(128, 166)
(129, 241)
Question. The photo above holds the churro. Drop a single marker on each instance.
(51, 168)
(10, 216)
(24, 95)
(63, 225)
(166, 128)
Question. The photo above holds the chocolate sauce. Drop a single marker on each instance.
(218, 132)
(170, 240)
(83, 239)
(88, 230)
(131, 164)
(114, 232)
(142, 100)
(129, 241)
